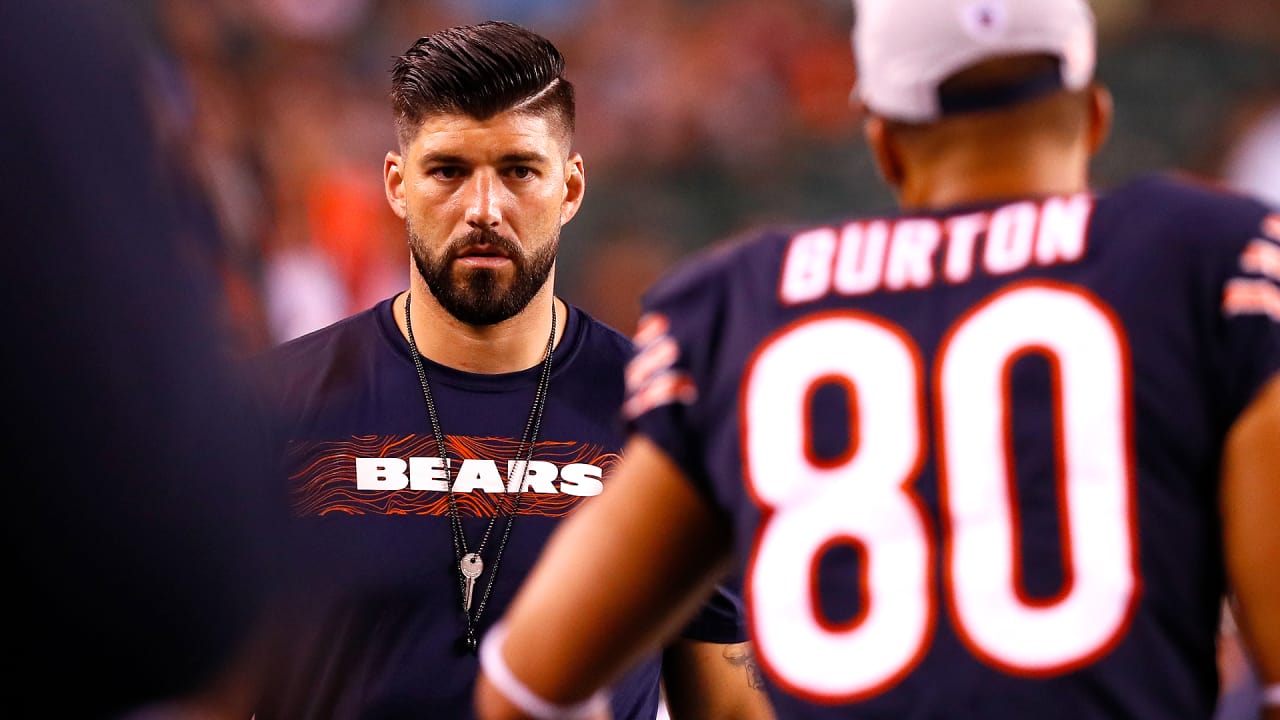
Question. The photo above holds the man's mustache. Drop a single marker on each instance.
(493, 243)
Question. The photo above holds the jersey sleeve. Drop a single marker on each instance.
(721, 619)
(669, 380)
(670, 375)
(1242, 283)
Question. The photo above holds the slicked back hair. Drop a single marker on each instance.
(480, 71)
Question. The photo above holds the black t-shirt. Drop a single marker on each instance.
(376, 630)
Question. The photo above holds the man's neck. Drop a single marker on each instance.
(974, 177)
(515, 344)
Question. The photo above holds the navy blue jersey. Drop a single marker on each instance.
(972, 455)
(377, 633)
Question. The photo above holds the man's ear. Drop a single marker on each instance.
(575, 186)
(884, 150)
(1101, 115)
(393, 182)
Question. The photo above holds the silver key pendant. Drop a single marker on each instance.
(471, 566)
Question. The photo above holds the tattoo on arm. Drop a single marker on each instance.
(740, 655)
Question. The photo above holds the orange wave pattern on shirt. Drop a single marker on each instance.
(323, 475)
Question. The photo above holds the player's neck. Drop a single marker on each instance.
(512, 345)
(966, 178)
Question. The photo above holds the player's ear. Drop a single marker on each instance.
(393, 183)
(1101, 113)
(884, 150)
(575, 186)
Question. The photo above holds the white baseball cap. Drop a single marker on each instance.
(905, 49)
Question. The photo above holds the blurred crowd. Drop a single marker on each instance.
(698, 119)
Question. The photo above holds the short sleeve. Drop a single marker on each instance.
(721, 619)
(1245, 283)
(670, 374)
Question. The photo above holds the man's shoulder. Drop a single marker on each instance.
(600, 337)
(350, 332)
(737, 261)
(1184, 203)
(322, 356)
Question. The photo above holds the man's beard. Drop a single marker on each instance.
(476, 295)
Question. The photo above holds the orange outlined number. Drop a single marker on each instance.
(867, 499)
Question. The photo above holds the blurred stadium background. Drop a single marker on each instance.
(698, 119)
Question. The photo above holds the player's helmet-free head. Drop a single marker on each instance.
(480, 70)
(906, 49)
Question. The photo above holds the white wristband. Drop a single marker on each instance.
(499, 675)
(1271, 695)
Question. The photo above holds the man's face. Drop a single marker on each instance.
(483, 202)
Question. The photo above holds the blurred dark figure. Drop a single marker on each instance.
(138, 512)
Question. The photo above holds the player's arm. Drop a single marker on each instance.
(712, 680)
(1250, 508)
(618, 579)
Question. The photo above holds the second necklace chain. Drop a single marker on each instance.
(470, 564)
